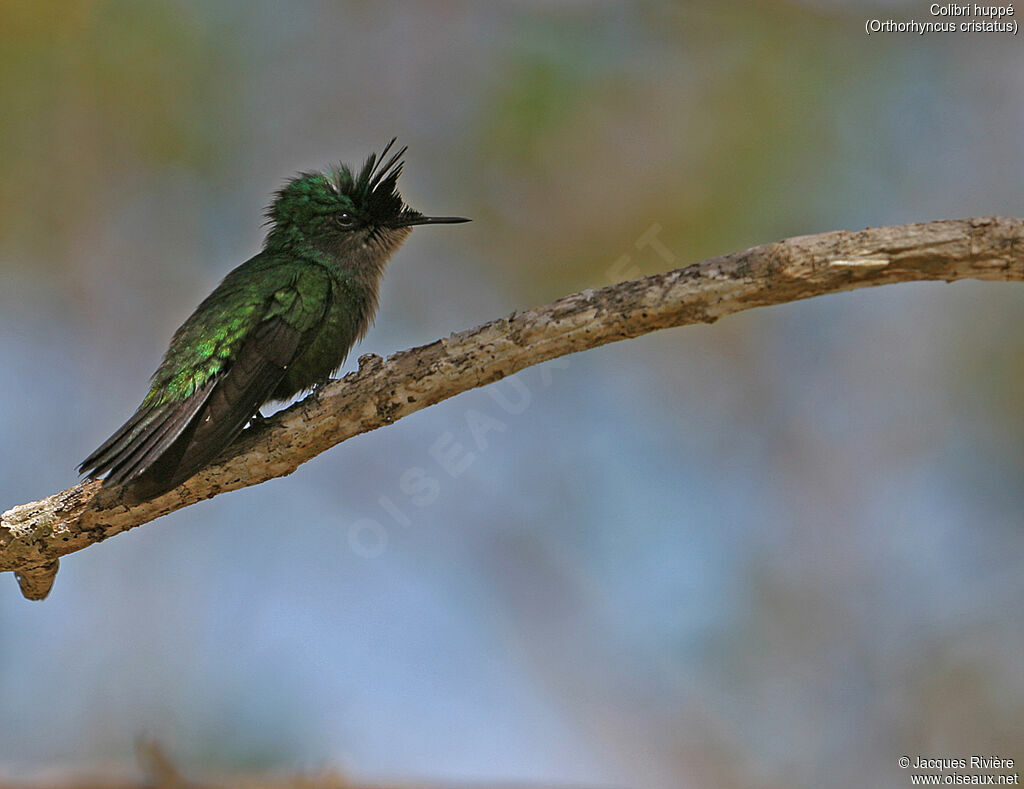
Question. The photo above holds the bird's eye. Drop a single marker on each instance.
(345, 220)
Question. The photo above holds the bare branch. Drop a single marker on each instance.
(34, 535)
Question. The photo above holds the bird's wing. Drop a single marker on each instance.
(143, 438)
(227, 360)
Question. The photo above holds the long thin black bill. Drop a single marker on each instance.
(429, 220)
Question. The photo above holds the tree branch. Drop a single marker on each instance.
(34, 535)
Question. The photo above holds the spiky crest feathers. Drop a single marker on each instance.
(371, 195)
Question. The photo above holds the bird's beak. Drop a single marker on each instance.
(409, 221)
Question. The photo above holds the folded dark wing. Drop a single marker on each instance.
(162, 446)
(143, 438)
(230, 356)
(236, 396)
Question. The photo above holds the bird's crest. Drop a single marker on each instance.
(375, 188)
(372, 192)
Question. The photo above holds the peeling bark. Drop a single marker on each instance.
(33, 536)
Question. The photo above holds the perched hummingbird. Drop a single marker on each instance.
(278, 324)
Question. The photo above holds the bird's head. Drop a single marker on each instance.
(345, 212)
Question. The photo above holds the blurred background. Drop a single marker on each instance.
(779, 551)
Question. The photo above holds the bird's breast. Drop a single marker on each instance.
(346, 318)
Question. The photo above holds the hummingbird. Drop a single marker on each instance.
(279, 324)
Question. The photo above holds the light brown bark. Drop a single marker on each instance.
(34, 535)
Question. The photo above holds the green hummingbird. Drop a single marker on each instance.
(277, 325)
